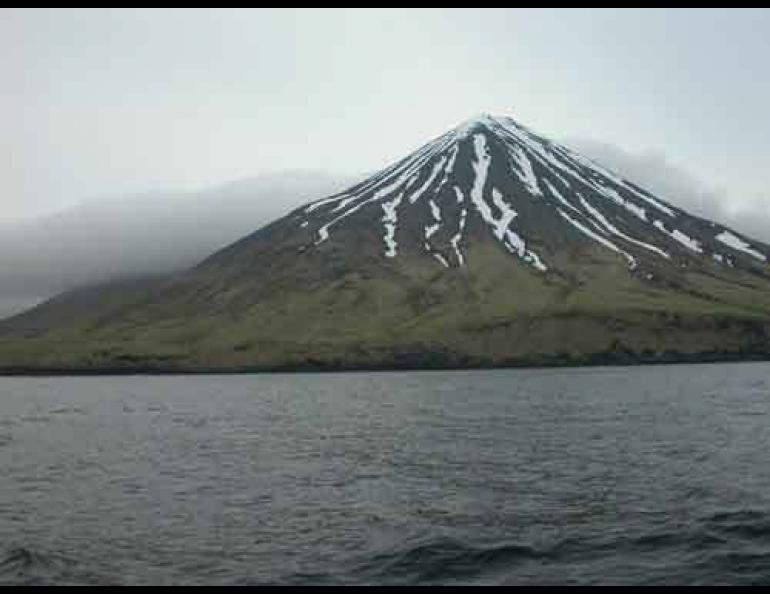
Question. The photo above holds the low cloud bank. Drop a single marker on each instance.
(656, 173)
(144, 234)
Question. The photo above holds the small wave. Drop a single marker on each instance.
(693, 539)
(36, 419)
(195, 423)
(747, 523)
(21, 558)
(446, 560)
(66, 410)
(442, 559)
(295, 579)
(21, 566)
(735, 568)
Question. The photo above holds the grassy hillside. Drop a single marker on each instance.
(314, 311)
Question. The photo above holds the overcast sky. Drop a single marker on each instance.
(106, 102)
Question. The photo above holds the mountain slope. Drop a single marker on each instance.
(489, 245)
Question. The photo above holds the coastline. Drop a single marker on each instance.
(533, 362)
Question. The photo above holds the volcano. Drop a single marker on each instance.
(536, 197)
(490, 245)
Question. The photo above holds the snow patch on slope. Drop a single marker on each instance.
(525, 172)
(602, 220)
(598, 238)
(455, 241)
(507, 214)
(431, 178)
(684, 239)
(552, 189)
(390, 219)
(431, 229)
(499, 226)
(735, 242)
(441, 259)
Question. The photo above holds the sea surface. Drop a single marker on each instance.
(622, 475)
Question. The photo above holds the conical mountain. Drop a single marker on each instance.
(489, 245)
(492, 176)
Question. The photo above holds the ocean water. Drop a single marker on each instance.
(623, 475)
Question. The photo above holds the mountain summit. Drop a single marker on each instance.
(489, 245)
(536, 197)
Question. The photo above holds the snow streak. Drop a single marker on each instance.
(735, 242)
(509, 179)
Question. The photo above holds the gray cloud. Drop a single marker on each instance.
(656, 172)
(102, 102)
(141, 234)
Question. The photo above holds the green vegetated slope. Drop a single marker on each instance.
(407, 313)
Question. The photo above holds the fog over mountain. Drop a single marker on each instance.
(141, 234)
(166, 231)
(657, 172)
